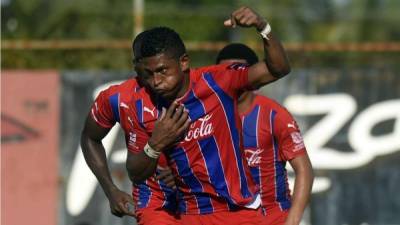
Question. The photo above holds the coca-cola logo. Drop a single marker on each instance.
(200, 128)
(253, 156)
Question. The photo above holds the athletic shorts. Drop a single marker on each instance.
(274, 217)
(239, 217)
(147, 216)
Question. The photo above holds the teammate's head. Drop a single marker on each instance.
(161, 61)
(156, 41)
(237, 52)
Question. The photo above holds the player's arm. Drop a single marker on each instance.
(275, 64)
(95, 156)
(292, 149)
(168, 131)
(302, 188)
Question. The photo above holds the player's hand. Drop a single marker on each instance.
(167, 177)
(170, 127)
(121, 203)
(245, 17)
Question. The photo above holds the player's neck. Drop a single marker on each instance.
(245, 100)
(185, 86)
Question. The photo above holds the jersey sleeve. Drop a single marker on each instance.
(101, 110)
(136, 143)
(137, 140)
(232, 78)
(288, 136)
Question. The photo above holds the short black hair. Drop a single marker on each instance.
(237, 51)
(158, 40)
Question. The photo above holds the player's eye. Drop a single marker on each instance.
(162, 71)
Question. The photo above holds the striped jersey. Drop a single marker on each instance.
(113, 106)
(209, 163)
(271, 137)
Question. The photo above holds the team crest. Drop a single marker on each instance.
(296, 137)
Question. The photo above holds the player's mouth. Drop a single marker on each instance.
(162, 93)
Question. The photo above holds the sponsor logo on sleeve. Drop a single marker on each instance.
(297, 140)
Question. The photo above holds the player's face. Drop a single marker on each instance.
(164, 74)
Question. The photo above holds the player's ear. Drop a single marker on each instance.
(184, 62)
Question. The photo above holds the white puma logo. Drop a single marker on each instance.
(124, 105)
(130, 120)
(149, 111)
(292, 125)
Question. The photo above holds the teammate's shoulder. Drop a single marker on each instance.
(129, 85)
(203, 69)
(272, 104)
(222, 67)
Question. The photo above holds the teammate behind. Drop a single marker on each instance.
(271, 138)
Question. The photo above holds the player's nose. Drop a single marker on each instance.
(157, 80)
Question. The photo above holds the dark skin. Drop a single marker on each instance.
(301, 165)
(94, 153)
(168, 77)
(302, 168)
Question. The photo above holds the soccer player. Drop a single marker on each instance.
(154, 200)
(190, 115)
(271, 138)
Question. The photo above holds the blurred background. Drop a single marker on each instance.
(344, 91)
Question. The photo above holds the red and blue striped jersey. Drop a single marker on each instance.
(113, 106)
(271, 137)
(209, 163)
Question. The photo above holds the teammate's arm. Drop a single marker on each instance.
(275, 64)
(168, 130)
(302, 188)
(292, 149)
(94, 153)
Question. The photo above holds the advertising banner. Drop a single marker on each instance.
(29, 147)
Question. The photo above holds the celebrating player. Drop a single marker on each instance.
(271, 137)
(155, 202)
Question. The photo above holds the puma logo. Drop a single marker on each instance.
(130, 120)
(149, 111)
(124, 105)
(292, 125)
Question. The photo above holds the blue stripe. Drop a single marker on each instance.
(209, 149)
(250, 128)
(182, 204)
(204, 202)
(229, 108)
(139, 111)
(170, 202)
(280, 171)
(250, 138)
(114, 102)
(144, 194)
(185, 172)
(255, 173)
(196, 109)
